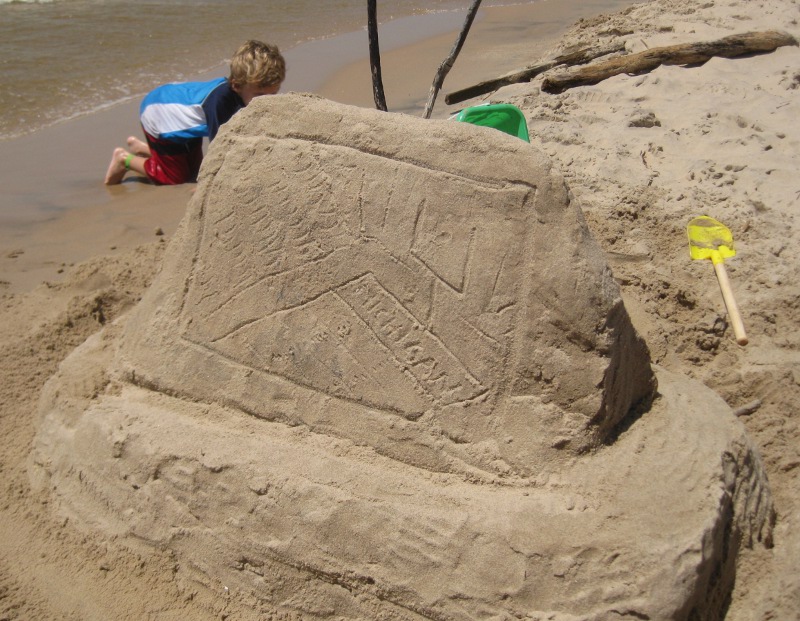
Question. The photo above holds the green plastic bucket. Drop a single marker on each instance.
(505, 117)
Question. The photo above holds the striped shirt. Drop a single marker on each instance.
(186, 110)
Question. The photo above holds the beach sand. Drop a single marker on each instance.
(642, 155)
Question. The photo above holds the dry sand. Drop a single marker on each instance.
(642, 155)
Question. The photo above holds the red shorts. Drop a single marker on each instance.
(173, 163)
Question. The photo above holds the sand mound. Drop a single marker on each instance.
(385, 371)
(445, 293)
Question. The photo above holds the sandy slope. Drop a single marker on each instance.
(642, 155)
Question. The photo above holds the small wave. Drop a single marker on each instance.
(26, 2)
(30, 126)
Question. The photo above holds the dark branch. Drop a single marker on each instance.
(375, 55)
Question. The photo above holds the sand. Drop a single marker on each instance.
(642, 154)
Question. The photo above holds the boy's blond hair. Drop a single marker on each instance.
(257, 63)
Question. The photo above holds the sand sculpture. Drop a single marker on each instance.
(386, 372)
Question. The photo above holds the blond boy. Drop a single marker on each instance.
(176, 117)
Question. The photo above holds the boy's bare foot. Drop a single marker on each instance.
(116, 169)
(138, 147)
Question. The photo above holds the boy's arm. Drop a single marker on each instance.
(220, 105)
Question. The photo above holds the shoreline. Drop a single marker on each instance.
(57, 212)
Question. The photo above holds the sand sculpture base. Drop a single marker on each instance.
(646, 528)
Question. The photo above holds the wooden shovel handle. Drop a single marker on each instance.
(730, 303)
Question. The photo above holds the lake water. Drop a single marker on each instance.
(65, 58)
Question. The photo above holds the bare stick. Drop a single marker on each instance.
(447, 64)
(747, 408)
(575, 57)
(375, 55)
(683, 54)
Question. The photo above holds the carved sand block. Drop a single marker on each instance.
(385, 373)
(375, 278)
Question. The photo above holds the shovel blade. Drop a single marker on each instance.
(709, 239)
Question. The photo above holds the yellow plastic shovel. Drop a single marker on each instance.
(710, 239)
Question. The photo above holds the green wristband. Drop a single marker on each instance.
(128, 161)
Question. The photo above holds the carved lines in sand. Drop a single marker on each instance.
(322, 244)
(432, 364)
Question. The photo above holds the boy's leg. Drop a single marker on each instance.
(121, 163)
(138, 147)
(195, 148)
(173, 163)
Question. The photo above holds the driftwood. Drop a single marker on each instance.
(576, 57)
(683, 54)
(447, 64)
(375, 55)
